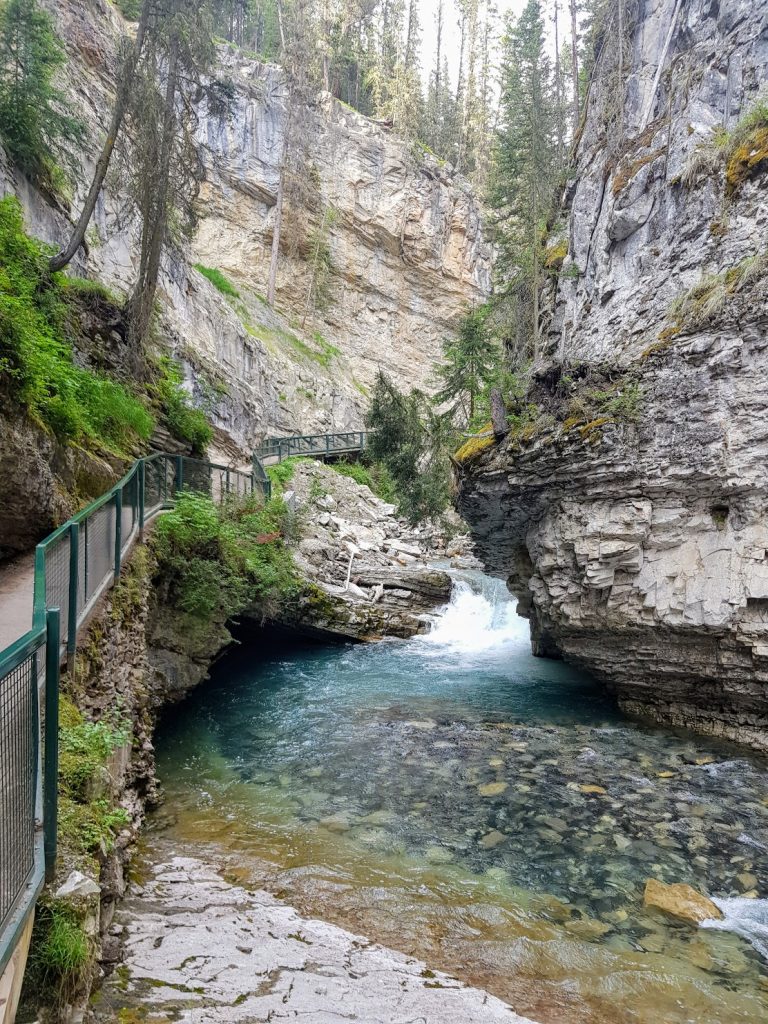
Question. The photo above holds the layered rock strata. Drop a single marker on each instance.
(629, 512)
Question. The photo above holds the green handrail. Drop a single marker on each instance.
(99, 535)
(340, 442)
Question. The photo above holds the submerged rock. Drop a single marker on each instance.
(680, 900)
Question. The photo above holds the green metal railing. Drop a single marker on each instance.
(317, 445)
(73, 567)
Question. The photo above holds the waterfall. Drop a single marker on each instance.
(479, 617)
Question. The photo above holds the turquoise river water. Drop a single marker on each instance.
(489, 812)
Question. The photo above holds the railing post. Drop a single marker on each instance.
(142, 493)
(74, 572)
(51, 740)
(179, 474)
(118, 530)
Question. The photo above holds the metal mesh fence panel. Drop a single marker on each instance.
(157, 485)
(18, 768)
(129, 514)
(198, 476)
(240, 483)
(57, 579)
(101, 548)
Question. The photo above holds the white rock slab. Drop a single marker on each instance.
(201, 951)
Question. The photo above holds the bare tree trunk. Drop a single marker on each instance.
(280, 25)
(498, 413)
(575, 65)
(558, 89)
(61, 259)
(152, 247)
(274, 256)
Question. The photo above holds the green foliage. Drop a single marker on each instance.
(411, 442)
(282, 473)
(326, 352)
(525, 169)
(34, 121)
(36, 365)
(90, 291)
(374, 475)
(185, 421)
(355, 471)
(87, 822)
(214, 560)
(710, 297)
(130, 9)
(219, 280)
(62, 946)
(472, 365)
(84, 747)
(626, 404)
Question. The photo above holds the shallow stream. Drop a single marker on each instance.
(492, 813)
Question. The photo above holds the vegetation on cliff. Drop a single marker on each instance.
(37, 369)
(214, 561)
(35, 122)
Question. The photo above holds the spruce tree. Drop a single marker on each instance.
(471, 365)
(35, 123)
(525, 168)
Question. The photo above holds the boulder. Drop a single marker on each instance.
(681, 901)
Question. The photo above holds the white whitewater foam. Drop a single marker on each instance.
(478, 618)
(748, 918)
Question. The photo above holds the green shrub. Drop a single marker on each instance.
(374, 475)
(219, 280)
(35, 122)
(36, 365)
(355, 470)
(282, 473)
(214, 560)
(87, 289)
(184, 420)
(84, 748)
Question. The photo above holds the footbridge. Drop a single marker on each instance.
(59, 588)
(317, 446)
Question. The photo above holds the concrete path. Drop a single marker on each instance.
(198, 950)
(16, 584)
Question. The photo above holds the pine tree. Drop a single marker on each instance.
(471, 365)
(35, 123)
(410, 440)
(525, 167)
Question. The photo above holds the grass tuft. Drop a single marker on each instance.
(219, 281)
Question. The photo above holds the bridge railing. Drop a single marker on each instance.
(317, 445)
(73, 567)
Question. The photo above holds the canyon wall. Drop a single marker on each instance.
(629, 514)
(406, 248)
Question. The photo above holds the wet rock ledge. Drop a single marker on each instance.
(199, 949)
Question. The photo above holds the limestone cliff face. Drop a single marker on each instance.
(407, 253)
(631, 517)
